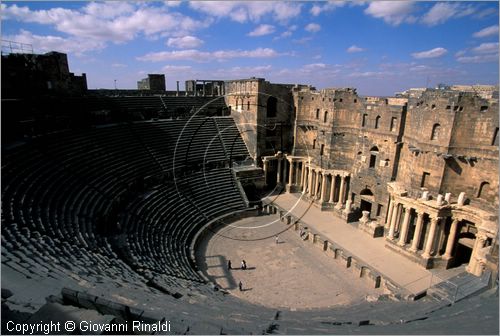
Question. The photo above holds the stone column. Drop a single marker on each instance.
(390, 206)
(440, 235)
(298, 174)
(418, 231)
(303, 181)
(341, 192)
(177, 92)
(310, 180)
(278, 175)
(265, 165)
(290, 172)
(323, 188)
(404, 229)
(430, 238)
(393, 221)
(316, 184)
(474, 266)
(332, 189)
(451, 239)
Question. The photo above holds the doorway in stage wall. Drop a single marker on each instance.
(367, 200)
(365, 206)
(465, 243)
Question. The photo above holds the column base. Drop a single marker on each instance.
(413, 256)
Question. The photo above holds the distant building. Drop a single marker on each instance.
(35, 74)
(153, 82)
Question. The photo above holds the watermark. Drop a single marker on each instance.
(48, 328)
(193, 129)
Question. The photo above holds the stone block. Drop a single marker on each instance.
(461, 198)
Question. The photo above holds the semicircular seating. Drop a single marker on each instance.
(61, 193)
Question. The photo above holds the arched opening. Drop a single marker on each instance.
(377, 121)
(494, 142)
(394, 121)
(373, 156)
(272, 104)
(435, 132)
(363, 122)
(248, 105)
(466, 239)
(367, 199)
(483, 190)
(314, 143)
(325, 118)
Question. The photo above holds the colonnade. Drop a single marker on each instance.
(433, 239)
(325, 185)
(427, 233)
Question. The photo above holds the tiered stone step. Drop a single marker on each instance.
(459, 287)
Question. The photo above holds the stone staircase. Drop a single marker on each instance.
(459, 287)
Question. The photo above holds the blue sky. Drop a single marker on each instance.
(378, 47)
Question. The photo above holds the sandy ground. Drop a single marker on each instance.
(290, 274)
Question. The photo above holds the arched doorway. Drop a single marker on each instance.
(465, 243)
(272, 103)
(367, 199)
(373, 156)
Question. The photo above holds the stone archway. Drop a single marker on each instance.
(466, 239)
(367, 200)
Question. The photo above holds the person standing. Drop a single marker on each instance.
(277, 239)
(229, 265)
(240, 286)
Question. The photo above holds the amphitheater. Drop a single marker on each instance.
(354, 215)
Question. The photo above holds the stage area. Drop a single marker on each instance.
(288, 274)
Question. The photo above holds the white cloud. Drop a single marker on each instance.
(244, 11)
(263, 29)
(172, 3)
(488, 31)
(315, 66)
(206, 56)
(392, 12)
(433, 53)
(479, 58)
(486, 48)
(45, 43)
(443, 11)
(313, 27)
(176, 68)
(185, 42)
(354, 49)
(108, 10)
(317, 9)
(370, 74)
(484, 53)
(99, 23)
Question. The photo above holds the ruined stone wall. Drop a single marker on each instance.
(474, 159)
(450, 135)
(377, 157)
(422, 153)
(277, 131)
(250, 100)
(338, 132)
(355, 128)
(243, 100)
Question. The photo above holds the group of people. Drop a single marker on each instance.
(243, 267)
